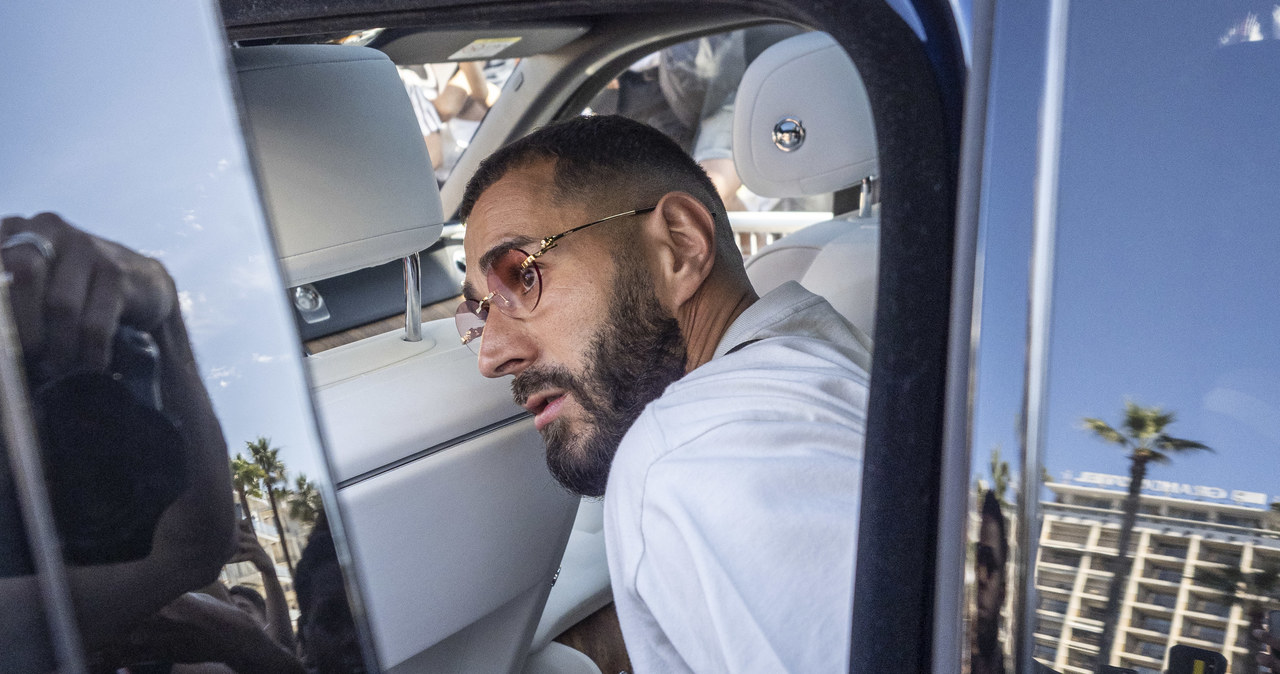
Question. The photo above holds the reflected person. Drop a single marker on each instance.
(71, 295)
(327, 636)
(990, 559)
(723, 429)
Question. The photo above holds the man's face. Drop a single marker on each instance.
(598, 347)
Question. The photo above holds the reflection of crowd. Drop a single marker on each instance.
(450, 100)
(148, 601)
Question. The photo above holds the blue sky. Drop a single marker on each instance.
(1166, 278)
(137, 141)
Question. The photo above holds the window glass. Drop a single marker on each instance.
(450, 101)
(140, 143)
(687, 91)
(1163, 396)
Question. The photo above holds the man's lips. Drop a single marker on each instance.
(545, 407)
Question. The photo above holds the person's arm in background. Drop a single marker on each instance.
(67, 308)
(279, 626)
(196, 628)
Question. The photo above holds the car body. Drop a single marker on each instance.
(1057, 182)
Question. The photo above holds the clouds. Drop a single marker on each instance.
(1249, 410)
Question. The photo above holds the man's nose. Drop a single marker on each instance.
(504, 348)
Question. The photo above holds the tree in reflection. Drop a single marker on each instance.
(268, 459)
(245, 477)
(1255, 591)
(1000, 476)
(1143, 437)
(304, 502)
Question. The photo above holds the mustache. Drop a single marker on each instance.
(528, 383)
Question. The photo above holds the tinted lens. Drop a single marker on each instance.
(470, 321)
(517, 290)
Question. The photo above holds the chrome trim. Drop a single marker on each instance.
(412, 298)
(949, 642)
(33, 497)
(1040, 301)
(466, 437)
(788, 134)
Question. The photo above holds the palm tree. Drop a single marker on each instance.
(999, 477)
(304, 503)
(245, 477)
(1256, 590)
(1146, 442)
(268, 459)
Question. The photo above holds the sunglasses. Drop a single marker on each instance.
(515, 284)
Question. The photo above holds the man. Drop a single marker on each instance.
(723, 429)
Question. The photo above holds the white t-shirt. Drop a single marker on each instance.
(731, 510)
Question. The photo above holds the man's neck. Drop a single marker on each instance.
(708, 314)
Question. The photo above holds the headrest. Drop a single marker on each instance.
(342, 161)
(803, 83)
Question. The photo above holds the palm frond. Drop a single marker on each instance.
(1104, 430)
(1171, 444)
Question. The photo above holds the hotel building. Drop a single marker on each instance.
(1163, 605)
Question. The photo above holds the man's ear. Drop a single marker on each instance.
(686, 247)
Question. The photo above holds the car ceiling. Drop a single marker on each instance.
(254, 19)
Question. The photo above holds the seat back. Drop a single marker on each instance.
(809, 82)
(452, 517)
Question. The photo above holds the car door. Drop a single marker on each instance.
(137, 139)
(1119, 424)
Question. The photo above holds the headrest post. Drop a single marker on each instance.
(412, 298)
(869, 185)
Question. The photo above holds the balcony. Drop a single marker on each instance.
(1163, 575)
(1053, 585)
(1097, 613)
(1059, 557)
(1086, 637)
(1212, 635)
(1097, 588)
(1048, 628)
(1153, 624)
(1147, 649)
(1173, 551)
(1057, 606)
(1212, 608)
(1158, 599)
(1081, 659)
(1219, 557)
(1069, 534)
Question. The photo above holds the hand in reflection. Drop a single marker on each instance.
(248, 549)
(70, 293)
(197, 628)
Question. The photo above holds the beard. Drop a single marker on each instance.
(631, 359)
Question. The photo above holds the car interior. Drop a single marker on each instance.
(471, 558)
(460, 553)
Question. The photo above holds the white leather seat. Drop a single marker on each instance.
(453, 520)
(811, 80)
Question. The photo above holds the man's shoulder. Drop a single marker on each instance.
(771, 372)
(779, 391)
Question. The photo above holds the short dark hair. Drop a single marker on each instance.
(604, 158)
(250, 594)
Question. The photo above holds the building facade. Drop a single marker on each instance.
(1162, 603)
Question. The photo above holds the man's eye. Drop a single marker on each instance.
(528, 278)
